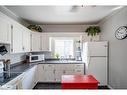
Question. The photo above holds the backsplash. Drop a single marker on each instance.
(15, 58)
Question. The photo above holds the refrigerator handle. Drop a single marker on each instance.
(89, 61)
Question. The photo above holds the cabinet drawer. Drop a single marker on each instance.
(49, 67)
(63, 67)
(79, 71)
(79, 66)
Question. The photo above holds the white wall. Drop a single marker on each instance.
(10, 14)
(73, 31)
(117, 49)
(65, 28)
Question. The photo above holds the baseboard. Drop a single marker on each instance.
(110, 87)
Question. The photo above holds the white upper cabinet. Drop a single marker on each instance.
(17, 39)
(20, 39)
(5, 31)
(26, 40)
(45, 42)
(35, 41)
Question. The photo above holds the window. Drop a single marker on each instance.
(64, 48)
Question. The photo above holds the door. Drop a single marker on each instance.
(97, 48)
(36, 42)
(98, 68)
(17, 39)
(5, 31)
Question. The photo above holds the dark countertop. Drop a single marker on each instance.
(15, 71)
(61, 62)
(4, 79)
(21, 67)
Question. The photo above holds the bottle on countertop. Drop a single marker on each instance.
(7, 67)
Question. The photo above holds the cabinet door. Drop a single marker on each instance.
(40, 73)
(36, 42)
(49, 76)
(45, 42)
(46, 73)
(26, 40)
(28, 81)
(58, 75)
(5, 31)
(17, 33)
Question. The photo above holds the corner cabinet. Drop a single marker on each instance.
(5, 31)
(35, 41)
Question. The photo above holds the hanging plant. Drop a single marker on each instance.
(93, 30)
(35, 28)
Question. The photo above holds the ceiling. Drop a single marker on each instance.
(62, 14)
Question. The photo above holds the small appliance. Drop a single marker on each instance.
(37, 57)
(3, 50)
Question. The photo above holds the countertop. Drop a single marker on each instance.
(61, 62)
(25, 66)
(21, 67)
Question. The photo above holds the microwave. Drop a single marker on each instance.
(35, 58)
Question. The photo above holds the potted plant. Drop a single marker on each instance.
(36, 28)
(93, 30)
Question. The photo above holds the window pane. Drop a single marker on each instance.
(64, 48)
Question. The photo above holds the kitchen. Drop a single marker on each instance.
(39, 60)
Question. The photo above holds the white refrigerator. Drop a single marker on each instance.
(95, 56)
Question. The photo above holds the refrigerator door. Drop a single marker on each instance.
(97, 67)
(97, 48)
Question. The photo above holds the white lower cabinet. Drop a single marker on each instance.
(49, 76)
(45, 73)
(58, 74)
(53, 72)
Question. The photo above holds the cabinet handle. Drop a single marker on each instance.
(23, 48)
(78, 70)
(11, 50)
(78, 65)
(64, 72)
(54, 71)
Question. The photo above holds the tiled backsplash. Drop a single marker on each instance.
(15, 58)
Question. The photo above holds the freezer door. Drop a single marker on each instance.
(97, 48)
(98, 68)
